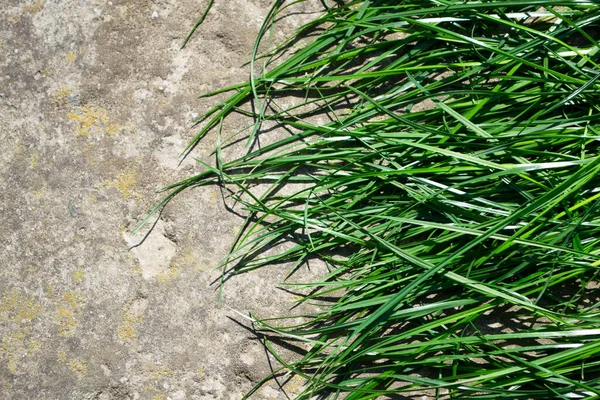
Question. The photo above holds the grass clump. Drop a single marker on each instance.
(442, 159)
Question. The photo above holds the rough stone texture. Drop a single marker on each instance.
(96, 103)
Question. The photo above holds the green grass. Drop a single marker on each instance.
(442, 158)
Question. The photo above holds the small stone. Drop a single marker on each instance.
(123, 380)
(154, 15)
(72, 209)
(194, 116)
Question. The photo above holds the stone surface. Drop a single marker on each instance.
(96, 104)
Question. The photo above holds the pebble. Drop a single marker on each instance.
(154, 15)
(72, 209)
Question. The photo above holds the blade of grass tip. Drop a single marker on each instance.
(262, 382)
(204, 14)
(535, 32)
(276, 51)
(478, 43)
(236, 86)
(363, 9)
(595, 45)
(273, 373)
(536, 366)
(225, 110)
(218, 158)
(571, 96)
(256, 200)
(261, 105)
(205, 176)
(559, 358)
(555, 196)
(158, 207)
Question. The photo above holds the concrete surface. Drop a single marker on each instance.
(96, 103)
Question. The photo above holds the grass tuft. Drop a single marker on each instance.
(442, 159)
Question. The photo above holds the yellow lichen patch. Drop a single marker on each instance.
(160, 396)
(10, 301)
(294, 384)
(65, 315)
(131, 317)
(189, 260)
(73, 299)
(71, 57)
(77, 366)
(9, 347)
(39, 193)
(20, 146)
(62, 95)
(158, 372)
(200, 372)
(50, 291)
(133, 263)
(127, 331)
(112, 129)
(18, 308)
(33, 346)
(168, 274)
(14, 19)
(201, 267)
(93, 120)
(124, 182)
(66, 321)
(78, 275)
(124, 9)
(35, 7)
(16, 345)
(33, 162)
(16, 313)
(40, 190)
(28, 311)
